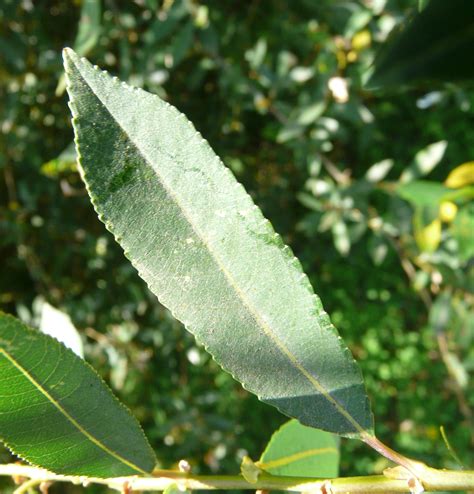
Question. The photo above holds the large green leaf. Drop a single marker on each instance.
(209, 255)
(435, 45)
(57, 413)
(299, 451)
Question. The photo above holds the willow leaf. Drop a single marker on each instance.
(299, 451)
(55, 411)
(206, 251)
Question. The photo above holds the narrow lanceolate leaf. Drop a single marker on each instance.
(209, 255)
(56, 413)
(299, 451)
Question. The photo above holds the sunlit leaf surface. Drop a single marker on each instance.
(206, 251)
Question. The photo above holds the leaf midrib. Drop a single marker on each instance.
(261, 323)
(285, 460)
(65, 413)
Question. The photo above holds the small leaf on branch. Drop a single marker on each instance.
(299, 451)
(249, 470)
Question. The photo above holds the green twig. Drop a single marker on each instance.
(394, 480)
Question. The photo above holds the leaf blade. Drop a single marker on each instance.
(198, 240)
(299, 451)
(47, 395)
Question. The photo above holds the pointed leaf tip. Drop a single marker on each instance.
(68, 54)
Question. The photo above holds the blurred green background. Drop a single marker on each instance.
(354, 180)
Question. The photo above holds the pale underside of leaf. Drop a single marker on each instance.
(209, 255)
(56, 413)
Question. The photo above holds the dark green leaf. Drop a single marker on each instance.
(57, 413)
(209, 255)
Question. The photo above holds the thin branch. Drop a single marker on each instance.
(394, 480)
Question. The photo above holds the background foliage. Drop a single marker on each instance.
(265, 84)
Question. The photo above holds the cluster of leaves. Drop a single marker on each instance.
(280, 98)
